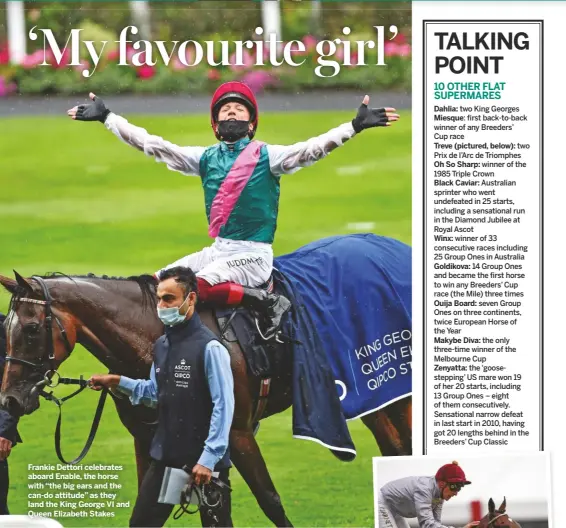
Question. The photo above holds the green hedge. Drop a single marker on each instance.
(110, 78)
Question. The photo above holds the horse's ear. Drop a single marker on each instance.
(491, 506)
(22, 282)
(10, 284)
(503, 505)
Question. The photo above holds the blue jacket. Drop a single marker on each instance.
(8, 424)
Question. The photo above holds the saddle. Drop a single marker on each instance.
(238, 325)
(263, 358)
(241, 325)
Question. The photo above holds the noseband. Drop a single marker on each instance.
(490, 523)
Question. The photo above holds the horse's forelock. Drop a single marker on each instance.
(19, 291)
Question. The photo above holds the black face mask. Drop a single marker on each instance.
(233, 130)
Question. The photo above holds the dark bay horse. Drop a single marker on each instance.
(497, 517)
(115, 319)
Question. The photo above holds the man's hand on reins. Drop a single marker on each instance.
(373, 117)
(95, 111)
(473, 523)
(201, 475)
(104, 381)
(5, 448)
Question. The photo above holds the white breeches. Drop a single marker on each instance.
(246, 263)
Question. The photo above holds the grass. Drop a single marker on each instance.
(74, 199)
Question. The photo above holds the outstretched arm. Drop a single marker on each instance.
(182, 159)
(140, 391)
(289, 159)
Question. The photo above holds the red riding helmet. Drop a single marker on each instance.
(452, 473)
(234, 91)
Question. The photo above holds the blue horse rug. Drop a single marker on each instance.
(352, 324)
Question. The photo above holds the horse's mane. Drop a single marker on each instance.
(146, 282)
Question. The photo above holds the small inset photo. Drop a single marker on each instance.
(452, 491)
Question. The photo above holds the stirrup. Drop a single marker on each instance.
(270, 337)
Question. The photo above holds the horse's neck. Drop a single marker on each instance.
(119, 331)
(121, 352)
(207, 317)
(126, 346)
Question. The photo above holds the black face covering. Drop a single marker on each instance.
(233, 130)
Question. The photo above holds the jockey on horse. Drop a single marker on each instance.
(241, 179)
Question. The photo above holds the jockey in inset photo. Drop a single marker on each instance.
(241, 181)
(421, 498)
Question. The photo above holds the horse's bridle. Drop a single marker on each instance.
(48, 374)
(497, 517)
(49, 316)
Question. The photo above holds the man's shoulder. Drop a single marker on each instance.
(215, 351)
(414, 481)
(215, 345)
(161, 340)
(204, 329)
(425, 480)
(426, 484)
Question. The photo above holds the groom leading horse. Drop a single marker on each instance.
(241, 181)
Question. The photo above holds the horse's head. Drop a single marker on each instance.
(497, 517)
(40, 335)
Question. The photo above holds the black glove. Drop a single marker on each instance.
(95, 111)
(369, 118)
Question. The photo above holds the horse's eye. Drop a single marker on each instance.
(31, 329)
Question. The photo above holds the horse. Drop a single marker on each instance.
(115, 319)
(497, 517)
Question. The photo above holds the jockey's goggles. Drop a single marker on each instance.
(455, 486)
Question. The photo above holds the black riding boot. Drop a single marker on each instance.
(272, 306)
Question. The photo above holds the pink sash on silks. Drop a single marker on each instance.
(232, 187)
